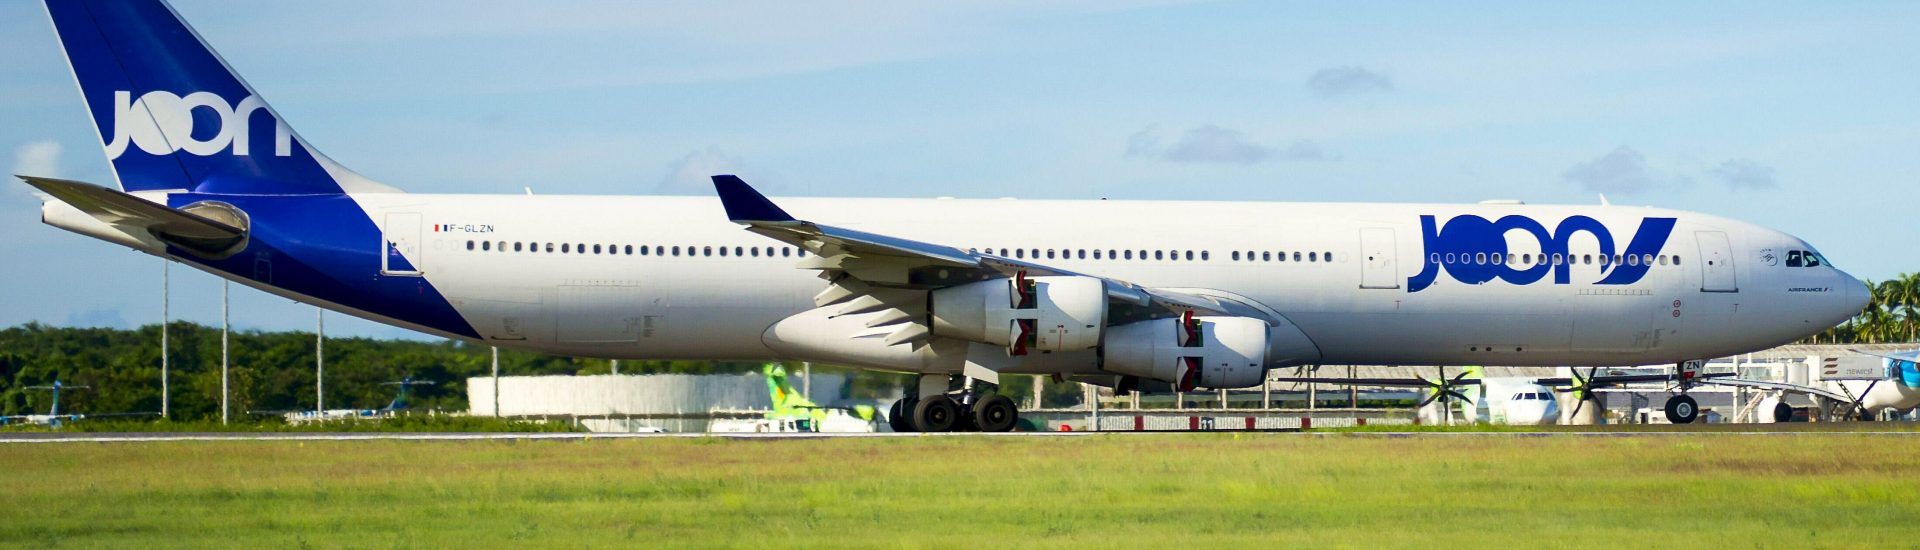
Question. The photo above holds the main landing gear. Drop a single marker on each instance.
(938, 407)
(1682, 409)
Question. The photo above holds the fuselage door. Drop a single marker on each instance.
(1378, 268)
(1716, 263)
(400, 241)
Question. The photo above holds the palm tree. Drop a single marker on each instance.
(1905, 295)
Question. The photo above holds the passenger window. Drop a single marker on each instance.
(1156, 255)
(1235, 255)
(676, 251)
(1266, 257)
(1096, 253)
(1296, 256)
(1663, 259)
(1676, 260)
(706, 251)
(1189, 254)
(1129, 254)
(486, 245)
(755, 251)
(643, 250)
(1082, 254)
(1586, 259)
(784, 251)
(1328, 256)
(1497, 258)
(1633, 260)
(1203, 255)
(1049, 253)
(1111, 255)
(469, 245)
(1020, 253)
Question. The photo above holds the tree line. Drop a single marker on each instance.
(268, 371)
(1892, 315)
(272, 372)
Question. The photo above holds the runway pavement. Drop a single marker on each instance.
(102, 437)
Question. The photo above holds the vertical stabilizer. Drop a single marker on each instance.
(172, 115)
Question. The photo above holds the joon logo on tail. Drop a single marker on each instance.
(1473, 250)
(201, 124)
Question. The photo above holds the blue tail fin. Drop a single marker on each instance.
(172, 115)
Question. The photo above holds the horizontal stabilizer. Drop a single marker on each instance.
(187, 230)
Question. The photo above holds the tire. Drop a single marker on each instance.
(935, 414)
(899, 415)
(1682, 409)
(995, 413)
(1782, 412)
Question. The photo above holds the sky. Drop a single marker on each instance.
(1800, 116)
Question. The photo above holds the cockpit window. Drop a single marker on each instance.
(1805, 258)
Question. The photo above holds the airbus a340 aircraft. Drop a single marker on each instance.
(1133, 294)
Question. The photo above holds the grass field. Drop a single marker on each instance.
(1167, 491)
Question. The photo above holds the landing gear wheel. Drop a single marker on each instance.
(1682, 409)
(935, 414)
(995, 413)
(897, 415)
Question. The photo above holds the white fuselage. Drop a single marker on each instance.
(1350, 295)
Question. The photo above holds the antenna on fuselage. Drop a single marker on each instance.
(1603, 200)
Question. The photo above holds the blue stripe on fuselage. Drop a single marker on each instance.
(325, 246)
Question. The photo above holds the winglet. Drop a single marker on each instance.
(744, 204)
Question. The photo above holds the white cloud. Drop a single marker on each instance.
(1745, 174)
(1213, 144)
(693, 174)
(1144, 143)
(1623, 171)
(39, 158)
(1338, 82)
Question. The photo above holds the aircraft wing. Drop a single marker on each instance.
(887, 261)
(1381, 382)
(1615, 380)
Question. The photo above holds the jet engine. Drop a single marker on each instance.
(1055, 313)
(1190, 352)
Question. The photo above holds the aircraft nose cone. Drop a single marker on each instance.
(1857, 295)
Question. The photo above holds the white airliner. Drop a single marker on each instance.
(1133, 294)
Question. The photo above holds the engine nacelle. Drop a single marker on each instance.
(1063, 313)
(1190, 352)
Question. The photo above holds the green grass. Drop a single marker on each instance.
(1111, 491)
(401, 423)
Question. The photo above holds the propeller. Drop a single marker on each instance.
(1581, 388)
(1443, 388)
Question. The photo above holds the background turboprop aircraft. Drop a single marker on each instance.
(1146, 295)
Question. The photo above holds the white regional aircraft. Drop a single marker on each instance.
(1132, 294)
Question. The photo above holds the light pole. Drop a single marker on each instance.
(319, 360)
(224, 326)
(166, 283)
(496, 382)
